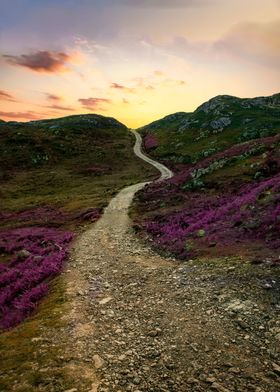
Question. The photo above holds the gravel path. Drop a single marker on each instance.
(140, 322)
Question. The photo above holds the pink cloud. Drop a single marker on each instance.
(59, 107)
(254, 42)
(94, 103)
(20, 115)
(118, 86)
(53, 97)
(40, 61)
(4, 96)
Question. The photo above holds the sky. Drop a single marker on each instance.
(135, 60)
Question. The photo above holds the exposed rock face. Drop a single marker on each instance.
(271, 101)
(221, 123)
(216, 104)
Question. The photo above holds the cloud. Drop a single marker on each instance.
(53, 97)
(254, 42)
(149, 87)
(40, 61)
(118, 86)
(94, 103)
(160, 3)
(60, 107)
(4, 96)
(20, 115)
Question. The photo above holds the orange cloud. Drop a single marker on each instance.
(20, 115)
(53, 97)
(255, 42)
(4, 96)
(159, 73)
(118, 86)
(94, 103)
(41, 61)
(60, 107)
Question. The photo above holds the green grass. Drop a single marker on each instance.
(30, 361)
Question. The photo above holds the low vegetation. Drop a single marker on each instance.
(56, 178)
(225, 195)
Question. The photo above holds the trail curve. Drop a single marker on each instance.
(165, 172)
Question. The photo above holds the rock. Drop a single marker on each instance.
(23, 254)
(71, 390)
(276, 368)
(200, 233)
(98, 361)
(105, 300)
(242, 324)
(192, 381)
(234, 370)
(136, 381)
(267, 286)
(210, 380)
(154, 333)
(235, 306)
(277, 337)
(218, 387)
(220, 123)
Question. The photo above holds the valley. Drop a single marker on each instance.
(171, 284)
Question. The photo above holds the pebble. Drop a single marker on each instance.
(71, 390)
(105, 300)
(218, 387)
(98, 361)
(276, 368)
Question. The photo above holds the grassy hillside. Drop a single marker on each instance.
(225, 195)
(214, 126)
(74, 162)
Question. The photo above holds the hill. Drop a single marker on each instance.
(215, 125)
(63, 162)
(48, 142)
(225, 196)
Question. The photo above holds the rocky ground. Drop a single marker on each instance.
(140, 322)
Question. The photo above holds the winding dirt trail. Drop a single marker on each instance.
(140, 322)
(165, 172)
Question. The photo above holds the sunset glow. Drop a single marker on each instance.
(134, 60)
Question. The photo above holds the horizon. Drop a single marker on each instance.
(128, 127)
(136, 61)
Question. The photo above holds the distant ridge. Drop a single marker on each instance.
(216, 124)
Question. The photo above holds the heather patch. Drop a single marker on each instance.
(37, 255)
(150, 142)
(49, 216)
(251, 215)
(42, 215)
(229, 200)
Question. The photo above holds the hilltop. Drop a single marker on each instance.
(215, 125)
(37, 143)
(63, 161)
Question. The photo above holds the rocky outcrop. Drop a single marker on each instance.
(220, 123)
(216, 104)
